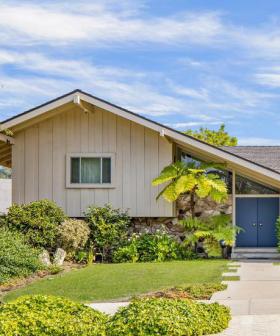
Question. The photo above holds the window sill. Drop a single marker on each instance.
(89, 186)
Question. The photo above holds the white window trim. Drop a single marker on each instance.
(69, 185)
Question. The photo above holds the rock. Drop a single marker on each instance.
(208, 213)
(174, 221)
(44, 258)
(228, 211)
(59, 257)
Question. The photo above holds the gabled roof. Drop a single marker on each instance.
(225, 155)
(267, 156)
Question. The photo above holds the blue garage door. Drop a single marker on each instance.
(257, 217)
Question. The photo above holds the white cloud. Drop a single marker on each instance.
(57, 24)
(251, 141)
(185, 125)
(201, 94)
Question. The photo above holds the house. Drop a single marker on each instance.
(5, 194)
(80, 150)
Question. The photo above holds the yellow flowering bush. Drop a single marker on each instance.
(50, 316)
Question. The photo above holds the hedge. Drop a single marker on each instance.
(162, 316)
(50, 316)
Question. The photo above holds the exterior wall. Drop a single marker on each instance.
(5, 194)
(39, 162)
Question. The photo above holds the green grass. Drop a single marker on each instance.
(231, 278)
(103, 282)
(232, 270)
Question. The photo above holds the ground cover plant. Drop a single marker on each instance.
(102, 282)
(49, 316)
(17, 258)
(191, 292)
(155, 317)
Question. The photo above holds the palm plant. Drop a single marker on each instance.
(182, 178)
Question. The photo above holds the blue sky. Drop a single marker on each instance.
(184, 63)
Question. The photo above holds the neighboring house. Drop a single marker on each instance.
(79, 150)
(5, 195)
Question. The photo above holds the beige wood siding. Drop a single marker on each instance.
(39, 162)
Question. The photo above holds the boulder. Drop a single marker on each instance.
(44, 258)
(59, 257)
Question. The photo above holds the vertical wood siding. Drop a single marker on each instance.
(39, 162)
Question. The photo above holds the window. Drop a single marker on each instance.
(90, 170)
(245, 186)
(225, 175)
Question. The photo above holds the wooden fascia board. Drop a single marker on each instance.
(37, 112)
(6, 139)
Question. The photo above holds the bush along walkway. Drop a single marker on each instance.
(254, 300)
(200, 292)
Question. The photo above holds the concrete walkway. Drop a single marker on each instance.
(257, 292)
(254, 300)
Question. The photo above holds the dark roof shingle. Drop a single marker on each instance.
(268, 156)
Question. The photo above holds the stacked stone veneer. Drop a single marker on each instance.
(204, 208)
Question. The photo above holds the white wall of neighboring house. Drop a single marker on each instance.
(5, 194)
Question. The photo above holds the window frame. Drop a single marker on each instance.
(101, 185)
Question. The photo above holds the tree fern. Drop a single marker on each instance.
(181, 178)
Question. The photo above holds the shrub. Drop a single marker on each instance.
(48, 316)
(38, 221)
(211, 231)
(17, 259)
(73, 235)
(169, 317)
(157, 246)
(109, 229)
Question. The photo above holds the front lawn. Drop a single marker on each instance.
(104, 282)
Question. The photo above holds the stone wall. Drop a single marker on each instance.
(204, 208)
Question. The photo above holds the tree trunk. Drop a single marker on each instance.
(192, 204)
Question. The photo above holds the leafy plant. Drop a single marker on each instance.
(73, 235)
(17, 258)
(192, 179)
(211, 231)
(81, 256)
(192, 292)
(145, 247)
(48, 316)
(162, 316)
(109, 229)
(39, 222)
(90, 255)
(217, 138)
(54, 269)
